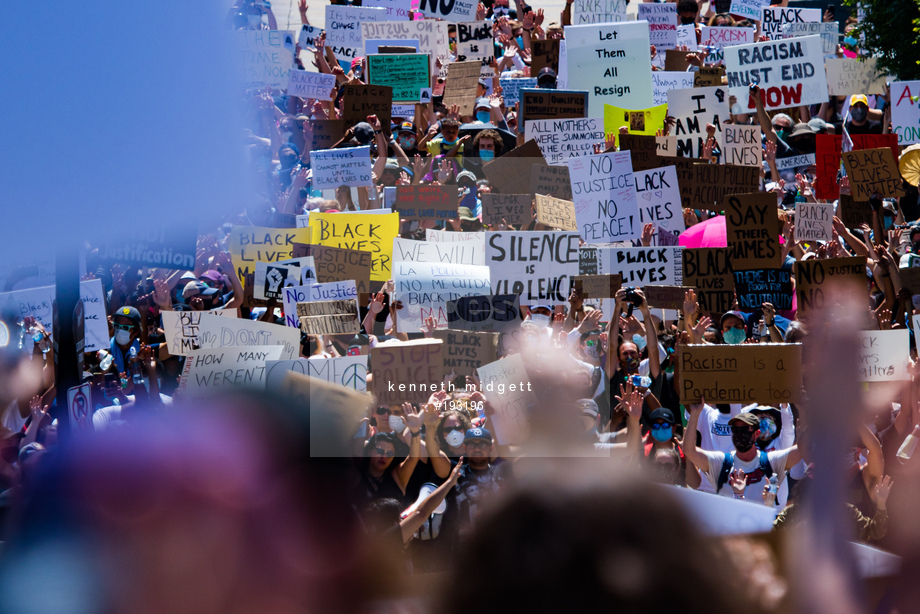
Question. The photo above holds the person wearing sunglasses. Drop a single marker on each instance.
(388, 464)
(663, 455)
(127, 325)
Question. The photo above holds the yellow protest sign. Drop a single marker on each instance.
(252, 244)
(639, 121)
(360, 231)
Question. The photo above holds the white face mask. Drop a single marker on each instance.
(397, 423)
(541, 320)
(454, 439)
(122, 337)
(640, 341)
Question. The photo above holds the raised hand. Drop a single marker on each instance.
(376, 304)
(430, 326)
(882, 490)
(738, 481)
(413, 418)
(648, 231)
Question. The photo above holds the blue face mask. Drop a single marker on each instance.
(734, 336)
(661, 434)
(482, 116)
(486, 155)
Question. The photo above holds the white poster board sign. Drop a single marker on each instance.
(211, 370)
(883, 355)
(905, 111)
(503, 381)
(847, 76)
(814, 221)
(561, 139)
(658, 197)
(337, 167)
(605, 197)
(538, 265)
(424, 288)
(693, 109)
(664, 81)
(317, 86)
(457, 252)
(181, 329)
(219, 332)
(348, 371)
(741, 145)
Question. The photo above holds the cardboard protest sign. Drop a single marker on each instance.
(769, 373)
(452, 10)
(748, 9)
(664, 81)
(638, 121)
(598, 11)
(474, 42)
(723, 515)
(538, 265)
(407, 372)
(406, 74)
(854, 76)
(425, 287)
(460, 86)
(605, 197)
(181, 329)
(468, 252)
(854, 213)
(252, 244)
(793, 162)
(506, 208)
(219, 332)
(326, 133)
(676, 60)
(209, 370)
(551, 180)
(509, 174)
(329, 291)
(709, 76)
(271, 278)
(341, 264)
(709, 270)
(775, 17)
(266, 56)
(445, 236)
(814, 221)
(396, 9)
(551, 104)
(367, 233)
(170, 248)
(752, 228)
(789, 72)
(38, 303)
(666, 297)
(307, 37)
(363, 100)
(905, 111)
(713, 183)
(755, 287)
(484, 312)
(465, 351)
(511, 87)
(658, 197)
(635, 265)
(662, 23)
(343, 28)
(692, 110)
(561, 139)
(431, 35)
(742, 146)
(884, 355)
(818, 282)
(829, 31)
(545, 55)
(555, 212)
(643, 151)
(347, 371)
(507, 381)
(610, 62)
(666, 146)
(341, 167)
(597, 286)
(828, 157)
(329, 317)
(426, 202)
(318, 86)
(873, 171)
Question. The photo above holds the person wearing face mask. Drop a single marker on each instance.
(663, 455)
(859, 122)
(487, 145)
(406, 136)
(734, 327)
(483, 111)
(288, 165)
(126, 341)
(746, 464)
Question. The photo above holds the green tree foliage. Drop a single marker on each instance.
(891, 32)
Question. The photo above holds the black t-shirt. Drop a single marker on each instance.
(870, 127)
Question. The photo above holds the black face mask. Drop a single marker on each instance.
(805, 145)
(743, 440)
(859, 114)
(686, 21)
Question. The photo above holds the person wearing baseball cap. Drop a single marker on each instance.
(663, 455)
(859, 122)
(733, 326)
(744, 472)
(126, 341)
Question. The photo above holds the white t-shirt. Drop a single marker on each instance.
(755, 477)
(715, 435)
